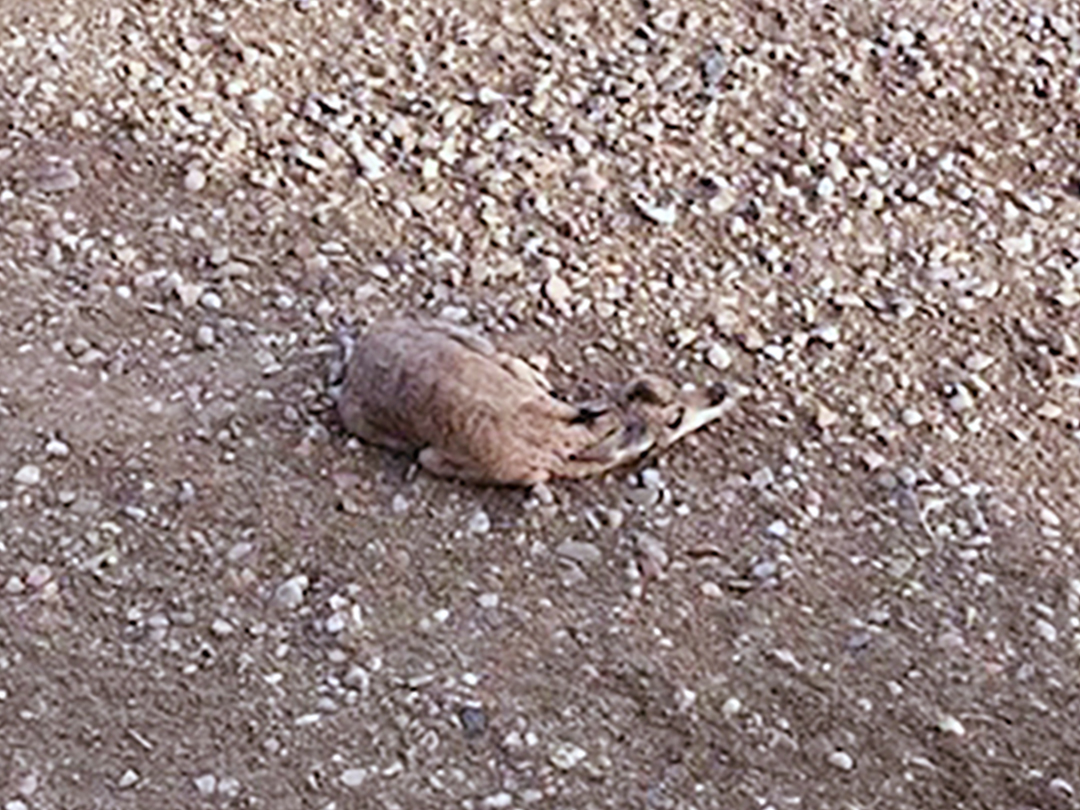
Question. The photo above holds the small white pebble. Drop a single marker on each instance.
(204, 336)
(565, 756)
(961, 399)
(206, 784)
(187, 293)
(875, 198)
(841, 760)
(947, 724)
(651, 478)
(127, 779)
(353, 777)
(764, 569)
(56, 448)
(873, 460)
(498, 801)
(371, 165)
(1046, 630)
(685, 698)
(774, 351)
(195, 179)
(28, 475)
(1050, 410)
(911, 417)
(1049, 517)
(1059, 785)
(978, 362)
(827, 333)
(38, 575)
(826, 417)
(290, 593)
(542, 492)
(479, 523)
(950, 478)
(777, 529)
(336, 622)
(558, 293)
(762, 478)
(718, 357)
(660, 214)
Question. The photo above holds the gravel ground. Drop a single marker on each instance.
(858, 590)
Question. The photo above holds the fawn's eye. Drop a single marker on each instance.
(717, 393)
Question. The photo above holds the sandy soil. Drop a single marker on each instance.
(859, 590)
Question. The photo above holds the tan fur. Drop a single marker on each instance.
(471, 412)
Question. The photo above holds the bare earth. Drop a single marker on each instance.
(860, 589)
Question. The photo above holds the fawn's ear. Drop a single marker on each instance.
(590, 411)
(648, 390)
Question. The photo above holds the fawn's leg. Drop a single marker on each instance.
(439, 463)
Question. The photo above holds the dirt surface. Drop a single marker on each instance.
(860, 589)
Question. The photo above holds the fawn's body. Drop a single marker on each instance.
(471, 412)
